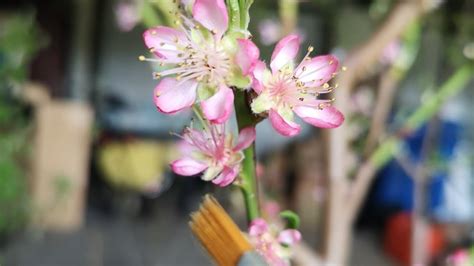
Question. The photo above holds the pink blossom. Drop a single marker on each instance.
(271, 245)
(287, 90)
(126, 16)
(391, 52)
(200, 60)
(460, 257)
(213, 152)
(270, 31)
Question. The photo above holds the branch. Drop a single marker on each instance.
(383, 104)
(391, 146)
(361, 61)
(359, 64)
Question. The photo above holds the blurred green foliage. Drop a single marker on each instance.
(20, 39)
(13, 152)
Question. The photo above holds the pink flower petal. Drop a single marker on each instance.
(246, 137)
(258, 73)
(218, 108)
(328, 117)
(226, 177)
(184, 147)
(285, 51)
(258, 227)
(172, 96)
(289, 237)
(212, 14)
(126, 15)
(164, 42)
(188, 167)
(282, 126)
(247, 55)
(318, 70)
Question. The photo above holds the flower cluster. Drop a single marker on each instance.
(272, 244)
(200, 60)
(203, 62)
(213, 152)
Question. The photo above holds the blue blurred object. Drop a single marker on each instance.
(394, 186)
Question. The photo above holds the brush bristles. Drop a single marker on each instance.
(219, 235)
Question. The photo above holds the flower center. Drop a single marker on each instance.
(199, 55)
(282, 89)
(205, 62)
(287, 90)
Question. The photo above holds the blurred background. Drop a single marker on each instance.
(84, 153)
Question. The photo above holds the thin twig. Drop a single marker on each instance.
(385, 97)
(419, 198)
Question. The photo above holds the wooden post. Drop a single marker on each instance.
(60, 164)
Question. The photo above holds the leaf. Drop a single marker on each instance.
(292, 219)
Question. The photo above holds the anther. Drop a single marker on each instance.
(141, 58)
(344, 68)
(310, 49)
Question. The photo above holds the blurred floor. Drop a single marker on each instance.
(162, 239)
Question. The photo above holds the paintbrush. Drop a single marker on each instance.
(221, 237)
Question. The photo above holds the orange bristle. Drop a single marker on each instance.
(219, 235)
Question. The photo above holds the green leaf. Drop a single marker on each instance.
(234, 15)
(292, 219)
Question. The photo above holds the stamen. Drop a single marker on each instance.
(143, 58)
